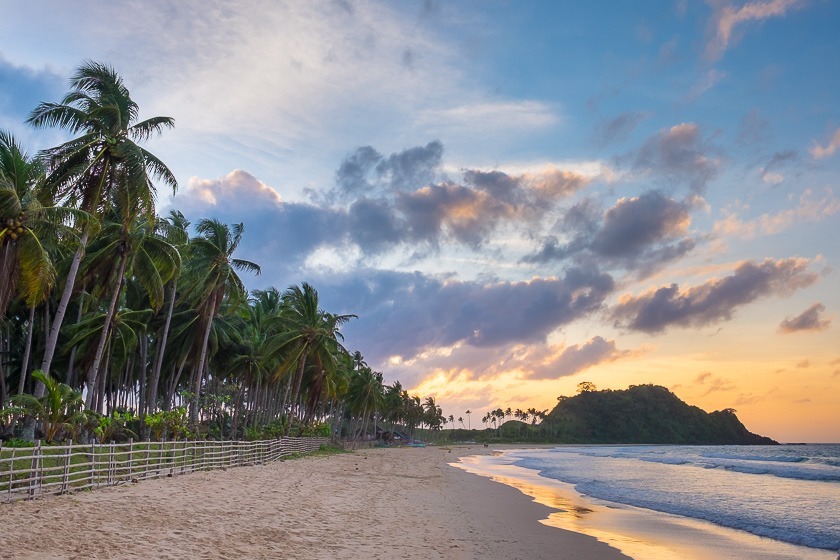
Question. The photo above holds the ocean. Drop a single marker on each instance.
(787, 493)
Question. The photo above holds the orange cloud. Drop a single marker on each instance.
(819, 152)
(728, 18)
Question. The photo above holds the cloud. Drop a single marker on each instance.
(710, 79)
(279, 235)
(22, 88)
(809, 320)
(576, 358)
(617, 129)
(238, 190)
(679, 153)
(366, 172)
(405, 314)
(712, 384)
(809, 209)
(727, 17)
(820, 152)
(642, 232)
(769, 172)
(634, 224)
(378, 204)
(714, 301)
(407, 198)
(490, 116)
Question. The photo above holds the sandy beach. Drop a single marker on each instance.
(376, 503)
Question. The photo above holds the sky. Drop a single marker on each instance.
(513, 196)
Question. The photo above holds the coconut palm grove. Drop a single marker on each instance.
(117, 320)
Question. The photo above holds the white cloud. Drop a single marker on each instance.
(490, 116)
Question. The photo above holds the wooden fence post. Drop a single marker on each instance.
(34, 474)
(146, 462)
(11, 470)
(130, 458)
(65, 480)
(112, 466)
(92, 464)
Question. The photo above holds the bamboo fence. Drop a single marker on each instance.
(31, 472)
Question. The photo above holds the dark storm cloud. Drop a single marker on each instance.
(576, 358)
(680, 154)
(713, 301)
(809, 320)
(616, 129)
(404, 314)
(641, 232)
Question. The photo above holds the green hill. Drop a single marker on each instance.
(644, 414)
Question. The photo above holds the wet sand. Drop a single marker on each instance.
(377, 503)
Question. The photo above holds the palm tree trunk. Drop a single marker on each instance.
(201, 362)
(141, 374)
(151, 399)
(103, 338)
(173, 383)
(296, 388)
(52, 339)
(24, 364)
(70, 375)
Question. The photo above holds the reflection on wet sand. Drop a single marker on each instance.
(639, 533)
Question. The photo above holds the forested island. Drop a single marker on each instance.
(648, 414)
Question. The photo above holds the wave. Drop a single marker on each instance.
(762, 458)
(813, 537)
(799, 466)
(802, 510)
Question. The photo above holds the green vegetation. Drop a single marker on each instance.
(141, 323)
(639, 414)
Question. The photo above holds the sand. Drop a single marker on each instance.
(376, 503)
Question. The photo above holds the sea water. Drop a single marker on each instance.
(788, 493)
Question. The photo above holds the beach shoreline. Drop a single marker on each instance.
(640, 533)
(405, 503)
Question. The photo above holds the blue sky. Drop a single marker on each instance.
(514, 197)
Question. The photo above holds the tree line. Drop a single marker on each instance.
(116, 319)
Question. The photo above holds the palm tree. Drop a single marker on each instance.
(469, 419)
(129, 247)
(174, 230)
(29, 225)
(24, 262)
(85, 170)
(309, 334)
(54, 408)
(213, 278)
(365, 396)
